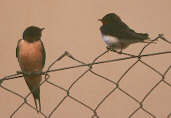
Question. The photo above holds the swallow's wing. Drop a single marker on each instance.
(44, 54)
(122, 31)
(131, 34)
(17, 48)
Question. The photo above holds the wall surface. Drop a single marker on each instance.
(72, 25)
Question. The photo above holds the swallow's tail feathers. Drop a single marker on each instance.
(146, 38)
(36, 94)
(144, 35)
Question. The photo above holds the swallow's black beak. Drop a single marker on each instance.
(100, 20)
(42, 29)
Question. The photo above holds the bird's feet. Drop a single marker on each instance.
(113, 50)
(109, 48)
(119, 52)
(19, 72)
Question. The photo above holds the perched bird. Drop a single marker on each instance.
(117, 35)
(31, 57)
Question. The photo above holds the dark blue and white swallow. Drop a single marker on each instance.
(117, 35)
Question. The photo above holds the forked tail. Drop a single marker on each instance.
(36, 95)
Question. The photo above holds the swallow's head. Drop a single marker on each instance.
(32, 33)
(110, 18)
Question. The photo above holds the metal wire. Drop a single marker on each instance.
(90, 69)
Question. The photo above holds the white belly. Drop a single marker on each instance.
(116, 43)
(109, 40)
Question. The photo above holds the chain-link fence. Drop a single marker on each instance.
(95, 113)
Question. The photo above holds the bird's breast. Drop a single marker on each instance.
(115, 42)
(111, 41)
(30, 56)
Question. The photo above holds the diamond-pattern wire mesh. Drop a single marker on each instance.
(90, 66)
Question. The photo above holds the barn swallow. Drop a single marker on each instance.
(31, 56)
(117, 35)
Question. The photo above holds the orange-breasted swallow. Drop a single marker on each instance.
(31, 57)
(117, 35)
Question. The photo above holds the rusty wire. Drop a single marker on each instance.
(90, 66)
